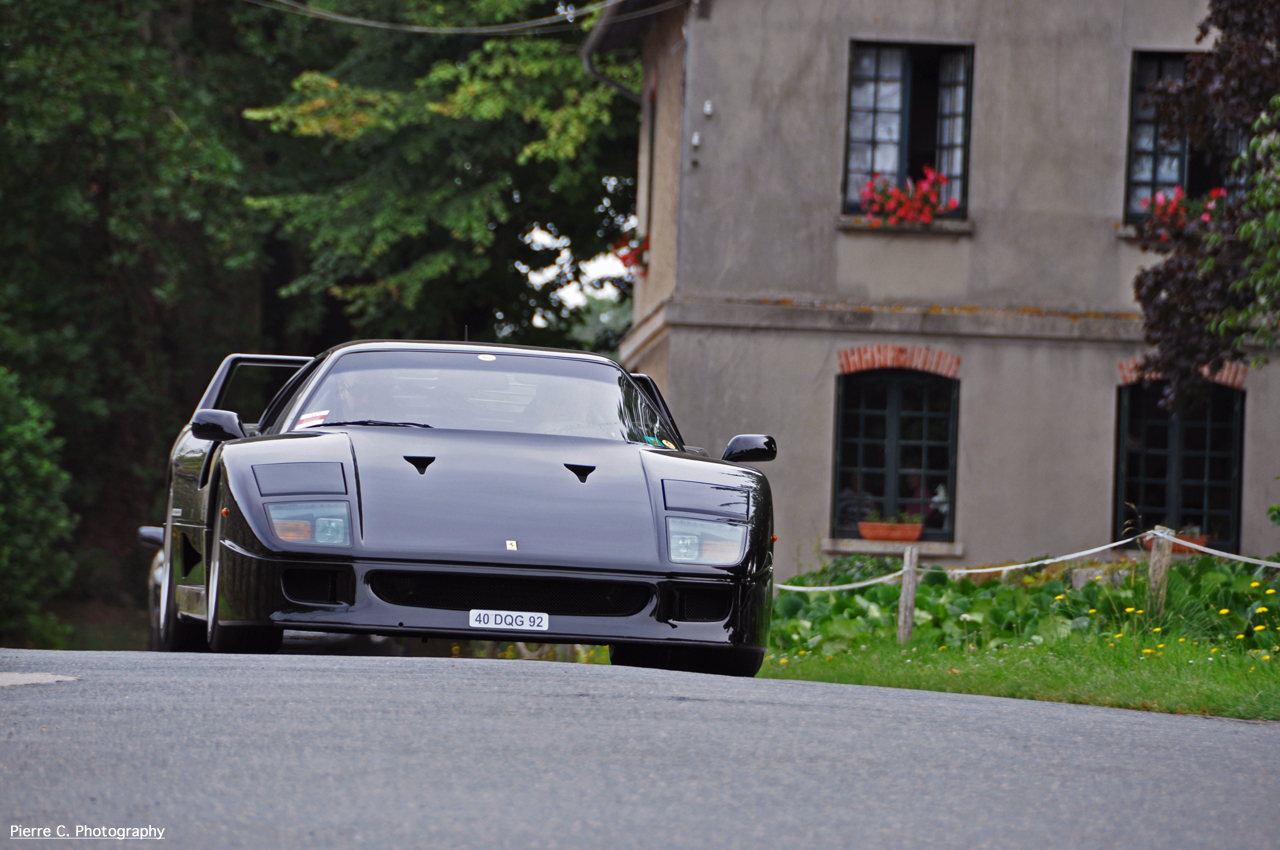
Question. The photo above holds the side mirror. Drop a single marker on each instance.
(151, 536)
(750, 448)
(217, 425)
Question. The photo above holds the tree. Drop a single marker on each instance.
(34, 519)
(458, 153)
(1209, 298)
(129, 264)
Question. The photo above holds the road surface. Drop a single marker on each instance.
(314, 751)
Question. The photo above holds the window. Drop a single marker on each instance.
(1159, 164)
(908, 108)
(896, 449)
(1180, 471)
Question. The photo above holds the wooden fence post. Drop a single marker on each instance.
(907, 601)
(1158, 570)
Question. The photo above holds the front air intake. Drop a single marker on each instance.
(311, 587)
(563, 597)
(702, 604)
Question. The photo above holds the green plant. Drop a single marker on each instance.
(34, 520)
(1208, 600)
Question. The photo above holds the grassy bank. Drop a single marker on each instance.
(1187, 677)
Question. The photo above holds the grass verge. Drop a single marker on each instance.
(1185, 677)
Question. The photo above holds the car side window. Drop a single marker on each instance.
(285, 395)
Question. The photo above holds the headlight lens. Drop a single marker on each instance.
(312, 523)
(695, 541)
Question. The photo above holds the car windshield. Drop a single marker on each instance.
(485, 392)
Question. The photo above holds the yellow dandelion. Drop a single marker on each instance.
(1060, 596)
(1225, 611)
(941, 648)
(1156, 629)
(1270, 591)
(1120, 635)
(1111, 644)
(1259, 628)
(1256, 584)
(1128, 610)
(1182, 640)
(1212, 651)
(1239, 637)
(1159, 646)
(1093, 610)
(782, 661)
(1140, 611)
(1262, 609)
(1147, 651)
(1266, 658)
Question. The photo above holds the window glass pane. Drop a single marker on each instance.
(890, 63)
(1143, 169)
(889, 95)
(864, 95)
(887, 127)
(1170, 170)
(864, 62)
(1155, 164)
(860, 157)
(861, 125)
(886, 161)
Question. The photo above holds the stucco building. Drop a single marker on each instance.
(978, 370)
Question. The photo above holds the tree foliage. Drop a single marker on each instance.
(458, 150)
(34, 519)
(1204, 303)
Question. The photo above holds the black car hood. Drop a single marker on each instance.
(486, 488)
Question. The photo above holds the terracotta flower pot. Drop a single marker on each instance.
(901, 531)
(1198, 539)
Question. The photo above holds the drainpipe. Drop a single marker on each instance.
(588, 51)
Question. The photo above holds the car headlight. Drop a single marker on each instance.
(312, 523)
(696, 541)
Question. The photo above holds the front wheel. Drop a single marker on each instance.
(716, 660)
(222, 637)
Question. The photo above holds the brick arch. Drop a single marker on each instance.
(1230, 375)
(887, 356)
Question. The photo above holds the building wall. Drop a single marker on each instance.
(1033, 293)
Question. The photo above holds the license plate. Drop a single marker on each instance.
(524, 621)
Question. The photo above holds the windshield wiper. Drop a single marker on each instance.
(376, 422)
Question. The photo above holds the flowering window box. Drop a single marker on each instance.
(900, 531)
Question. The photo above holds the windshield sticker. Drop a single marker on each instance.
(669, 445)
(310, 420)
(653, 441)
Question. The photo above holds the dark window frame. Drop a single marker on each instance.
(892, 468)
(852, 206)
(1175, 453)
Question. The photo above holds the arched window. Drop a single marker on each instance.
(1180, 471)
(896, 450)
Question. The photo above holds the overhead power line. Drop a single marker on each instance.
(550, 23)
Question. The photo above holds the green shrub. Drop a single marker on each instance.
(34, 519)
(1207, 599)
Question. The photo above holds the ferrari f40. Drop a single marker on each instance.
(466, 491)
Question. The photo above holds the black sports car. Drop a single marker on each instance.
(466, 491)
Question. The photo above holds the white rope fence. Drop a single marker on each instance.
(1073, 556)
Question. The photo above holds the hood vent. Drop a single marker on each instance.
(420, 463)
(581, 471)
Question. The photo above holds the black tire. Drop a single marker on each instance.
(176, 634)
(716, 660)
(256, 640)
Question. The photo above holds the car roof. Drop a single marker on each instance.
(479, 347)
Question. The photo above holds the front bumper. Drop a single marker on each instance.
(253, 591)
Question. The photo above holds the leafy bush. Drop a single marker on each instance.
(1207, 599)
(33, 517)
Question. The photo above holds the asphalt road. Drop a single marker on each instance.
(319, 751)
